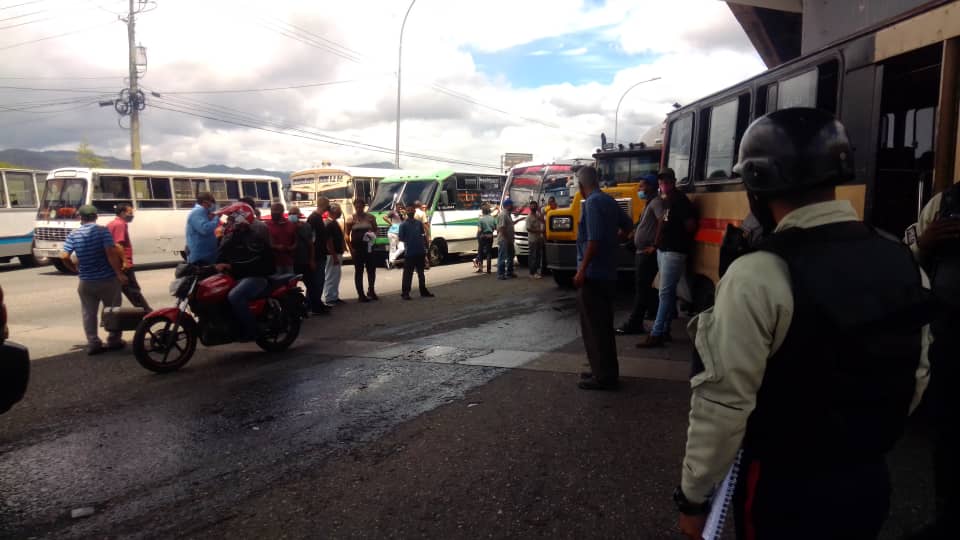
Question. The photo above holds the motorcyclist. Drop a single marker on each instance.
(246, 253)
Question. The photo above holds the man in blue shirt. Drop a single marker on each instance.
(414, 258)
(201, 231)
(100, 265)
(597, 245)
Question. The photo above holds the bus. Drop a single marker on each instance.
(538, 181)
(341, 185)
(18, 206)
(453, 199)
(893, 85)
(162, 200)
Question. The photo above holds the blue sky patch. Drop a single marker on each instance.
(578, 58)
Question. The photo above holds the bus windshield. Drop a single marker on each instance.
(561, 186)
(627, 169)
(421, 190)
(62, 197)
(539, 183)
(386, 194)
(524, 184)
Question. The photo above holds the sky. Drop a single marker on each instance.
(479, 79)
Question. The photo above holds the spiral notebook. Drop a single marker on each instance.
(722, 502)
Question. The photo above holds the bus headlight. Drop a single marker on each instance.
(561, 223)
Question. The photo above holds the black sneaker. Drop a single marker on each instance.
(427, 294)
(372, 295)
(363, 299)
(405, 296)
(593, 384)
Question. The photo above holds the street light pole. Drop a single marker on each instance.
(396, 154)
(616, 116)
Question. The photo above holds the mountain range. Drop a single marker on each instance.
(53, 159)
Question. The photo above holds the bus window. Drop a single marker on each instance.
(678, 154)
(419, 190)
(720, 142)
(185, 191)
(798, 91)
(218, 188)
(491, 188)
(263, 192)
(153, 192)
(767, 99)
(21, 189)
(233, 190)
(249, 189)
(3, 197)
(448, 194)
(109, 191)
(274, 192)
(827, 74)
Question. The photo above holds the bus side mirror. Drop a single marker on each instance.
(444, 200)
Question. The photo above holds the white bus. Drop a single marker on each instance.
(18, 206)
(538, 181)
(162, 200)
(453, 202)
(340, 185)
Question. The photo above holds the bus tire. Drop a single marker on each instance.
(438, 252)
(564, 278)
(62, 268)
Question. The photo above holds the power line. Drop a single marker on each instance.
(220, 111)
(88, 28)
(253, 90)
(21, 4)
(316, 138)
(23, 15)
(65, 90)
(60, 78)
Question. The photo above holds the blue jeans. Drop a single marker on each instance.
(505, 259)
(240, 296)
(672, 266)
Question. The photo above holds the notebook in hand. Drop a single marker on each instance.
(721, 503)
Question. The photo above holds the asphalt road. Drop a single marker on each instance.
(451, 417)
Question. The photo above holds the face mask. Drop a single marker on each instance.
(294, 218)
(642, 195)
(128, 218)
(276, 217)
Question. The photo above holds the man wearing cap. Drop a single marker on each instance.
(813, 354)
(646, 257)
(674, 240)
(100, 266)
(505, 241)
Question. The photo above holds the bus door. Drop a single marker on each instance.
(910, 86)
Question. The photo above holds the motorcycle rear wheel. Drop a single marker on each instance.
(152, 348)
(289, 326)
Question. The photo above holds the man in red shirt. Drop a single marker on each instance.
(121, 236)
(283, 236)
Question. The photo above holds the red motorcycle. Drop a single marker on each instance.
(166, 339)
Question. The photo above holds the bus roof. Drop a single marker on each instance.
(352, 171)
(62, 173)
(563, 161)
(438, 175)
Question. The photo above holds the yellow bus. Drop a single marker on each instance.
(895, 87)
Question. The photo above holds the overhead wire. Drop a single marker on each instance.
(254, 90)
(274, 127)
(21, 4)
(55, 36)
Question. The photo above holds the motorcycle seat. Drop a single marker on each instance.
(280, 279)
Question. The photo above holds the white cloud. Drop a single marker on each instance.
(694, 45)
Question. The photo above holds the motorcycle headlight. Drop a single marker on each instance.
(561, 223)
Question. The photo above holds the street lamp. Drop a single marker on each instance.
(396, 154)
(616, 117)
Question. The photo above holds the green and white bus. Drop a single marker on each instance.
(453, 199)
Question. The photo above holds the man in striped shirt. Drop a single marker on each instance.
(100, 266)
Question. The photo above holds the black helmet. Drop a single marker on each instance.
(793, 150)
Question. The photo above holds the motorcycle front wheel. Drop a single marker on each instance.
(284, 331)
(162, 346)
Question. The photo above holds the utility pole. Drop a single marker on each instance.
(131, 99)
(135, 157)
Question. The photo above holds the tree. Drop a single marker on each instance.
(87, 158)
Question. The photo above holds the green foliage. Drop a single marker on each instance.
(8, 165)
(86, 157)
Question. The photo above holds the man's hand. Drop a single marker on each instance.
(937, 233)
(579, 279)
(222, 267)
(123, 279)
(692, 526)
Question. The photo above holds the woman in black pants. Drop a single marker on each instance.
(362, 231)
